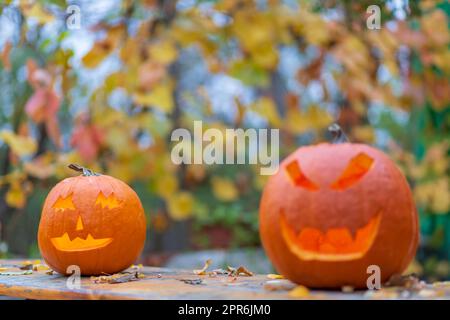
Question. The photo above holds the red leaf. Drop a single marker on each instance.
(42, 107)
(36, 104)
(87, 139)
(5, 56)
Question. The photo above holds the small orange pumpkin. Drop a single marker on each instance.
(93, 221)
(332, 210)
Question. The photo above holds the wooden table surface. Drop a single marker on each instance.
(161, 283)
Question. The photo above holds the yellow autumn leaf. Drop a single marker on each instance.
(414, 267)
(267, 109)
(20, 145)
(129, 53)
(266, 56)
(442, 60)
(313, 28)
(180, 205)
(113, 81)
(299, 292)
(311, 119)
(42, 167)
(121, 170)
(417, 171)
(62, 161)
(118, 140)
(354, 55)
(163, 52)
(37, 12)
(160, 97)
(440, 197)
(15, 197)
(224, 189)
(166, 185)
(103, 48)
(423, 193)
(440, 165)
(435, 25)
(252, 29)
(364, 133)
(96, 55)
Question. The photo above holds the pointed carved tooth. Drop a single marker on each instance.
(109, 202)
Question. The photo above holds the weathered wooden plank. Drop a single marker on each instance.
(158, 283)
(161, 283)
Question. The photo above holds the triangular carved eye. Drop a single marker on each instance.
(356, 169)
(63, 204)
(109, 202)
(297, 176)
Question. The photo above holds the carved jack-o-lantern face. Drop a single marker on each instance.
(337, 243)
(95, 222)
(64, 242)
(334, 209)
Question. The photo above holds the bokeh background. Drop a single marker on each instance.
(109, 94)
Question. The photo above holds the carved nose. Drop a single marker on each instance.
(79, 224)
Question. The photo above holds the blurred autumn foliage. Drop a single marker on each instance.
(109, 94)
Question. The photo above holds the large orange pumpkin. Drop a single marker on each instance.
(332, 210)
(95, 222)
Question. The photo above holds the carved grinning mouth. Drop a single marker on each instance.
(64, 243)
(337, 244)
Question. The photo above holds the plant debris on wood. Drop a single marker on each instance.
(202, 271)
(16, 273)
(194, 282)
(230, 271)
(408, 287)
(240, 271)
(347, 289)
(299, 292)
(118, 277)
(409, 282)
(35, 265)
(25, 267)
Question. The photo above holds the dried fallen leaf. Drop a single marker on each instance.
(50, 272)
(16, 273)
(26, 267)
(35, 265)
(239, 271)
(275, 276)
(410, 282)
(40, 267)
(192, 281)
(347, 289)
(202, 272)
(220, 271)
(299, 292)
(118, 277)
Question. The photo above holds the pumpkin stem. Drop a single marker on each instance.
(86, 172)
(338, 134)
